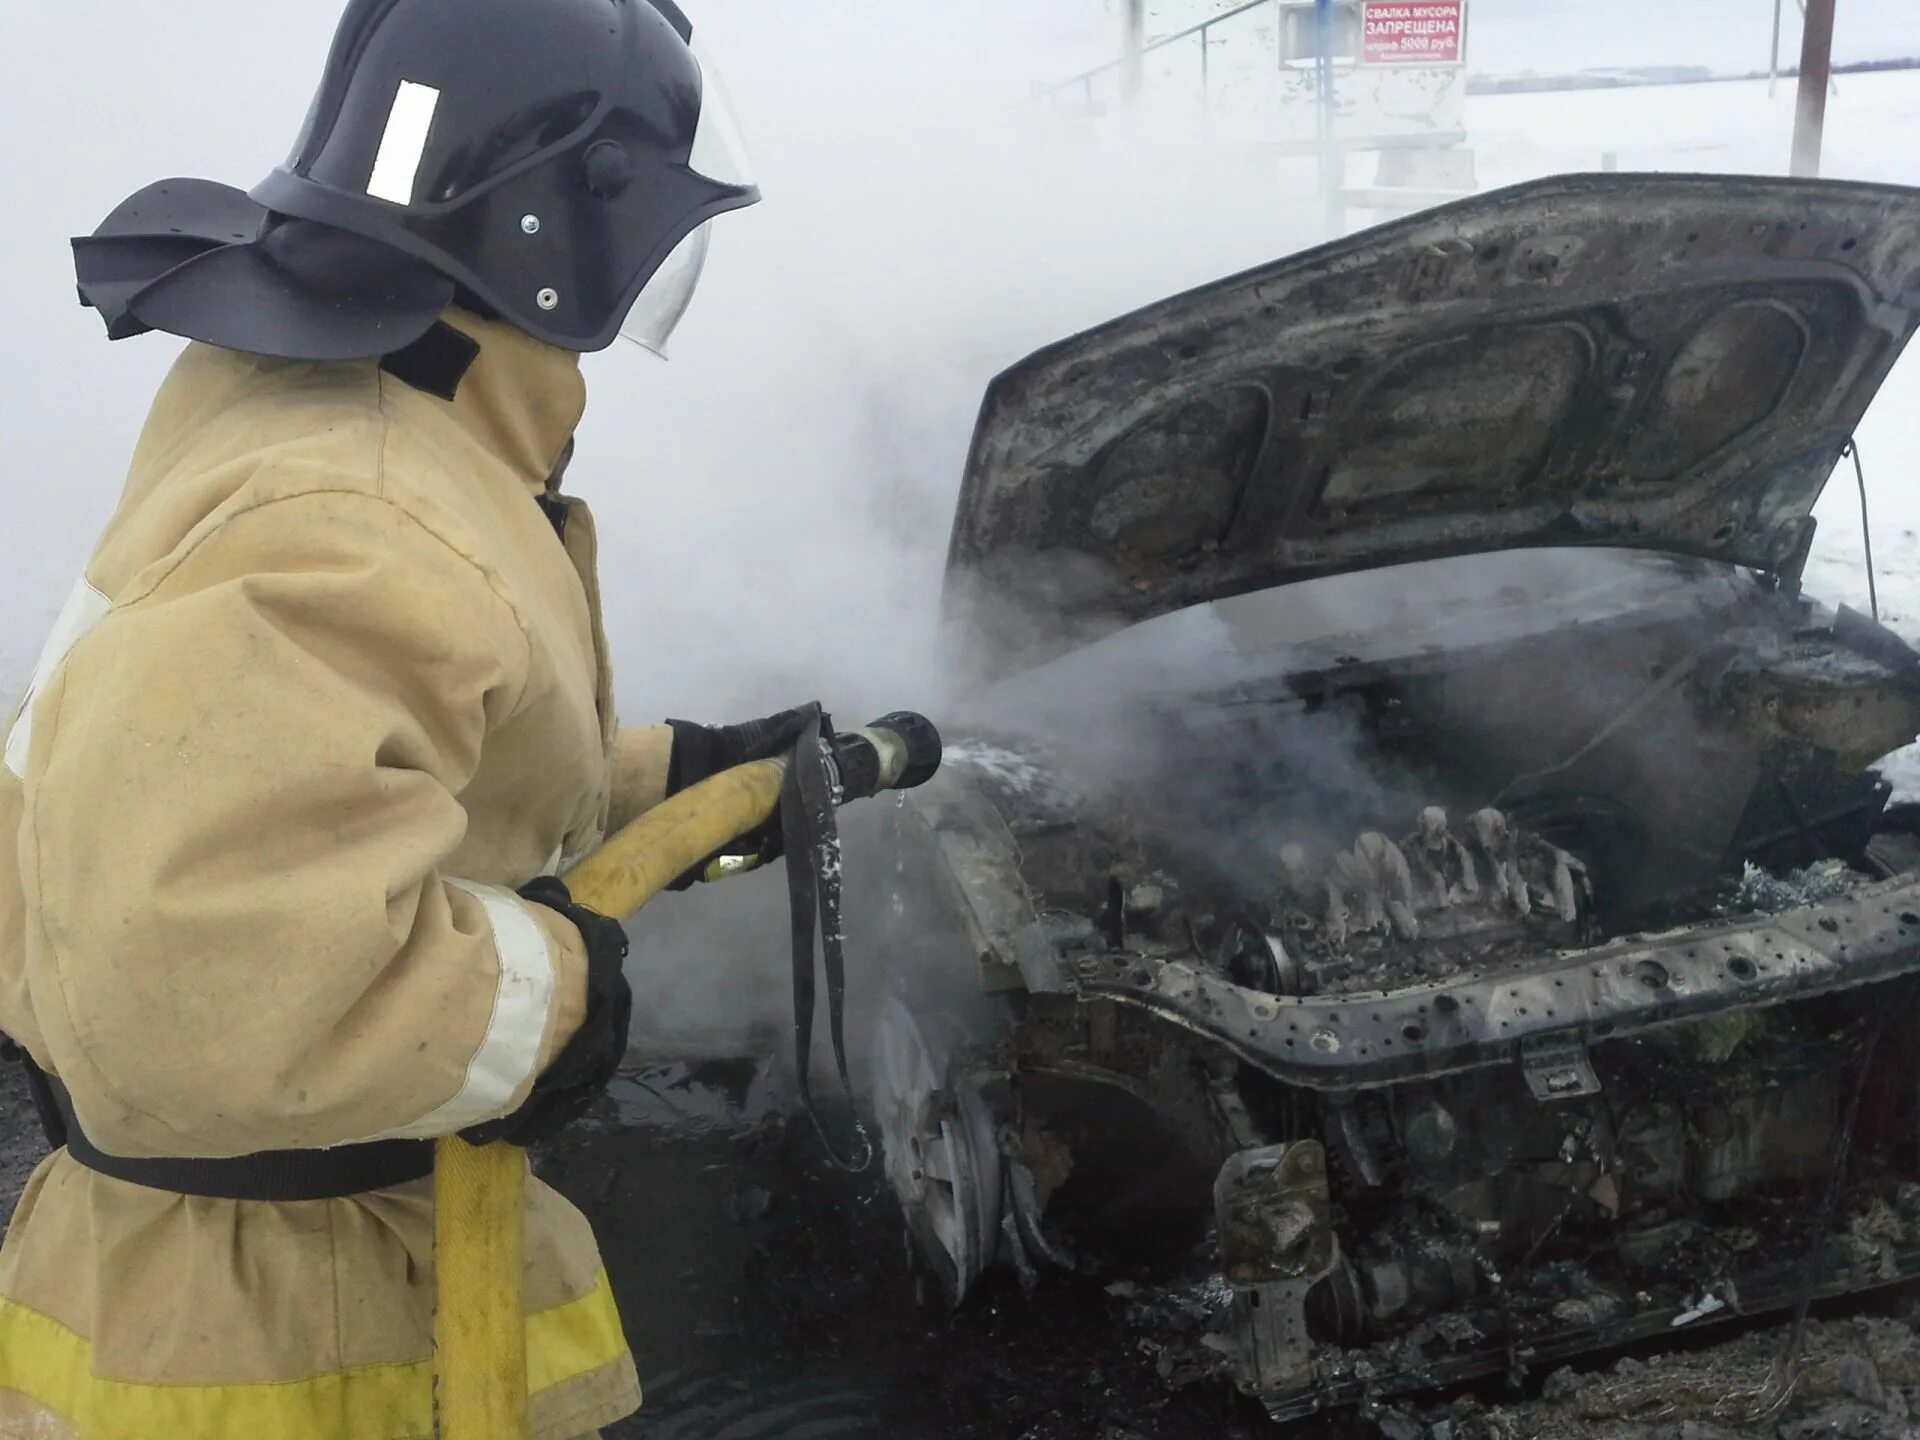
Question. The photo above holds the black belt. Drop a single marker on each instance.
(271, 1175)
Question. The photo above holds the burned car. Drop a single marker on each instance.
(1415, 846)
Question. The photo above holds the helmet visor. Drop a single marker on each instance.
(719, 147)
(657, 313)
(719, 154)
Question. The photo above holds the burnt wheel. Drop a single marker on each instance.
(939, 1148)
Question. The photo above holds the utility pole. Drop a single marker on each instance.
(1135, 41)
(1816, 68)
(1773, 65)
(1332, 164)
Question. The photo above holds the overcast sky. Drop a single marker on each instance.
(1722, 34)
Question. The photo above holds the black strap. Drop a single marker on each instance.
(436, 363)
(811, 831)
(271, 1175)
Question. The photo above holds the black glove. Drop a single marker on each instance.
(702, 751)
(582, 1071)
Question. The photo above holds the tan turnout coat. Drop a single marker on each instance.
(331, 688)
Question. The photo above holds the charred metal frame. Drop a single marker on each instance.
(1356, 1041)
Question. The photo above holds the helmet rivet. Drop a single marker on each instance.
(610, 169)
(530, 224)
(548, 299)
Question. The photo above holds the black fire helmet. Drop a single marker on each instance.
(557, 163)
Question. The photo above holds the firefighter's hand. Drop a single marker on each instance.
(583, 1070)
(703, 751)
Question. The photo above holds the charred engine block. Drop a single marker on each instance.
(1383, 913)
(1451, 1183)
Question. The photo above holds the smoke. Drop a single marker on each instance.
(1184, 730)
(780, 494)
(776, 501)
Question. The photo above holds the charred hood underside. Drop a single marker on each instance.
(1664, 362)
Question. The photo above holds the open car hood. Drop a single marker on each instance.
(1656, 362)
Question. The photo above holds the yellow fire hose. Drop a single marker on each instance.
(480, 1349)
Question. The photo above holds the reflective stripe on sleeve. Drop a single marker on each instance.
(509, 1054)
(86, 607)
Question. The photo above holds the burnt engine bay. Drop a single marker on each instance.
(1455, 1027)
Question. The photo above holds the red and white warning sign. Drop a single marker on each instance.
(1412, 32)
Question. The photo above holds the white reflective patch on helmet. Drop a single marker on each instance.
(396, 169)
(657, 313)
(719, 149)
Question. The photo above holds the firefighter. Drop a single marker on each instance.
(328, 709)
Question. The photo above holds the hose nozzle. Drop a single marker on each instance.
(901, 751)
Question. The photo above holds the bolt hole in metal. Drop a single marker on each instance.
(1907, 917)
(1742, 968)
(1413, 1034)
(1652, 974)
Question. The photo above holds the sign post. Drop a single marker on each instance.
(1773, 63)
(1816, 63)
(1333, 177)
(1135, 21)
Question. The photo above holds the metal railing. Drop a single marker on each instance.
(1084, 82)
